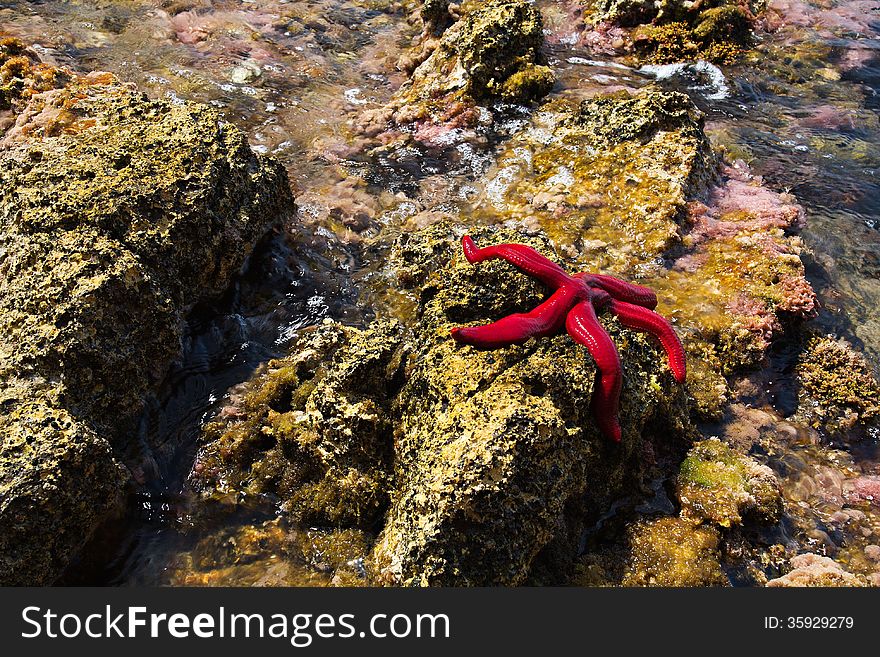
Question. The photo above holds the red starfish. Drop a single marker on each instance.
(574, 304)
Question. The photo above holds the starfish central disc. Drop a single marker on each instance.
(573, 305)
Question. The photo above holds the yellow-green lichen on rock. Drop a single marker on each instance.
(481, 459)
(718, 485)
(312, 431)
(117, 214)
(609, 181)
(495, 449)
(678, 30)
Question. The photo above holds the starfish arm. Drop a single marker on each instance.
(583, 325)
(523, 257)
(642, 319)
(624, 291)
(546, 319)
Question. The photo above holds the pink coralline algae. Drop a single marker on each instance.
(866, 488)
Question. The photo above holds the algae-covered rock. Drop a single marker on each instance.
(477, 462)
(311, 431)
(58, 482)
(813, 570)
(497, 453)
(838, 387)
(22, 75)
(668, 31)
(674, 552)
(117, 214)
(110, 232)
(608, 181)
(717, 484)
(494, 51)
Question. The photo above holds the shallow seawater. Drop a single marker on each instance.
(295, 75)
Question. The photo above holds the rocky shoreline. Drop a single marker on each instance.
(383, 453)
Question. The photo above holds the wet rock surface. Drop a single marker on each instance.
(674, 31)
(117, 215)
(495, 454)
(627, 187)
(495, 51)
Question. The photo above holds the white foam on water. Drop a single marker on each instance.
(717, 88)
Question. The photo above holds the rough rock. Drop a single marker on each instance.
(493, 457)
(669, 31)
(117, 214)
(493, 52)
(311, 431)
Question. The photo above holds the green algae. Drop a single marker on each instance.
(718, 485)
(270, 553)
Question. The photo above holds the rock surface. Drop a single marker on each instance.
(117, 214)
(495, 454)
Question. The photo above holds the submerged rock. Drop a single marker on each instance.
(674, 552)
(838, 387)
(718, 485)
(117, 214)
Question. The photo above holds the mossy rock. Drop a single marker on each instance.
(479, 458)
(674, 552)
(495, 449)
(494, 51)
(718, 485)
(498, 40)
(117, 215)
(611, 119)
(670, 31)
(615, 173)
(838, 386)
(311, 431)
(59, 481)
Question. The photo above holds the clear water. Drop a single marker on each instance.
(295, 75)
